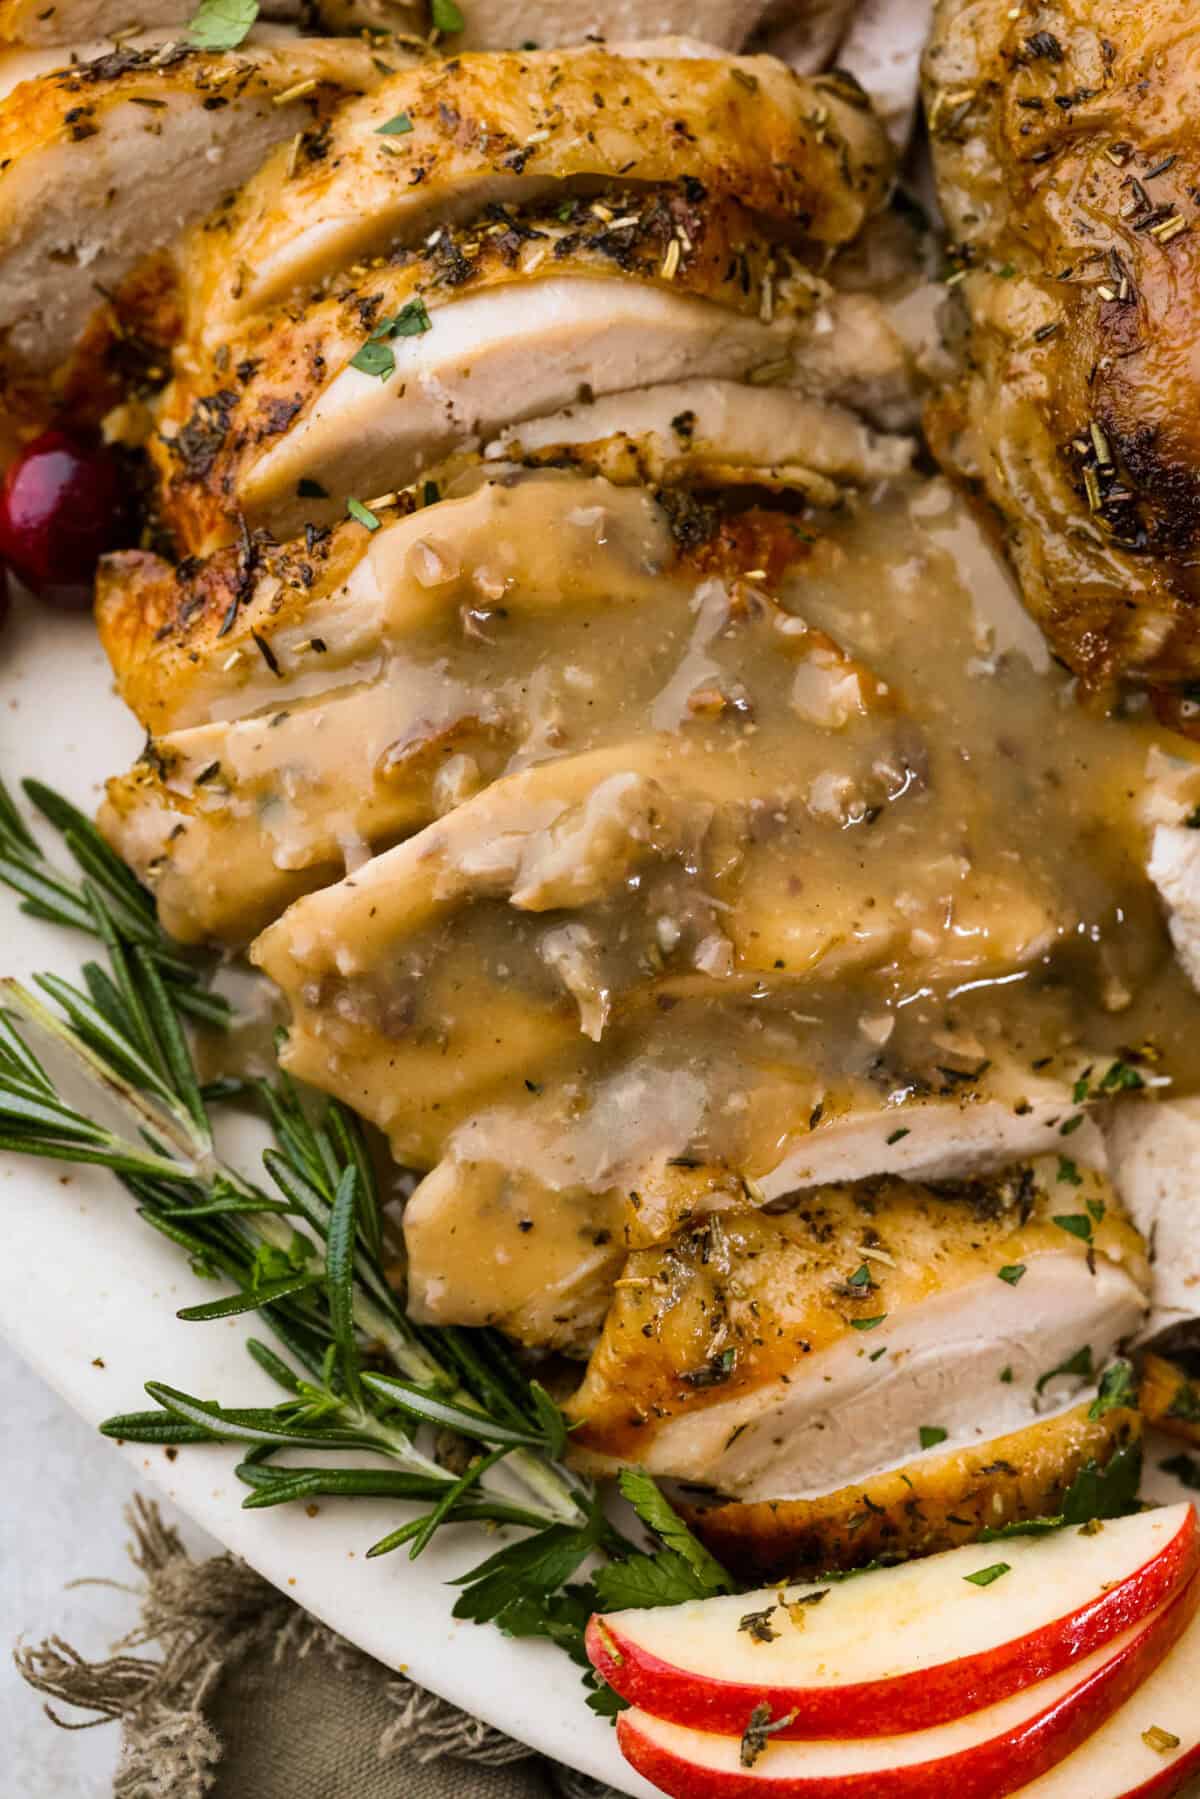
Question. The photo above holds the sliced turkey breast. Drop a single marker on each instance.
(490, 1247)
(489, 359)
(611, 842)
(513, 127)
(102, 165)
(476, 665)
(941, 1500)
(1154, 1153)
(185, 644)
(783, 1356)
(713, 433)
(364, 390)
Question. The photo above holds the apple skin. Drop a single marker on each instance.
(991, 1769)
(903, 1702)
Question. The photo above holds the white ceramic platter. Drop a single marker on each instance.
(88, 1295)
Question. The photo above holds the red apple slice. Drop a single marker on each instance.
(903, 1648)
(984, 1756)
(1132, 1756)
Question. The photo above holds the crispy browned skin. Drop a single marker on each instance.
(809, 155)
(1067, 145)
(1169, 1399)
(935, 1503)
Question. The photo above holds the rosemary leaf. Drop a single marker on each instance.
(265, 1294)
(339, 1277)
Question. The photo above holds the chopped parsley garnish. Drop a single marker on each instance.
(1185, 1403)
(931, 1435)
(757, 1625)
(1163, 1742)
(896, 1135)
(1116, 1389)
(1068, 1171)
(1076, 1224)
(358, 511)
(1096, 1209)
(759, 1731)
(1080, 1363)
(984, 1577)
(860, 1278)
(375, 357)
(1071, 1125)
(222, 24)
(400, 126)
(1012, 1272)
(446, 16)
(1006, 1375)
(867, 1324)
(1121, 1078)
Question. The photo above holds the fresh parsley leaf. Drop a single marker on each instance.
(358, 511)
(222, 24)
(374, 359)
(446, 16)
(530, 1569)
(1077, 1224)
(1185, 1403)
(860, 1278)
(412, 320)
(1110, 1491)
(1012, 1272)
(931, 1435)
(1006, 1375)
(984, 1577)
(1080, 1363)
(603, 1700)
(561, 1617)
(867, 1324)
(1121, 1078)
(399, 126)
(657, 1515)
(1068, 1171)
(1071, 1125)
(897, 1135)
(1117, 1388)
(649, 1580)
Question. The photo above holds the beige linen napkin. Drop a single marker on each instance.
(251, 1698)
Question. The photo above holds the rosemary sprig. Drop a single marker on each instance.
(309, 1260)
(308, 1257)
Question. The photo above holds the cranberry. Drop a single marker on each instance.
(60, 510)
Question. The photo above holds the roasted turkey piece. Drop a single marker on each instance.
(1066, 138)
(807, 155)
(506, 322)
(101, 167)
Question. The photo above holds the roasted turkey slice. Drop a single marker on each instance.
(514, 933)
(783, 1355)
(102, 166)
(937, 1502)
(1065, 145)
(714, 434)
(806, 155)
(488, 326)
